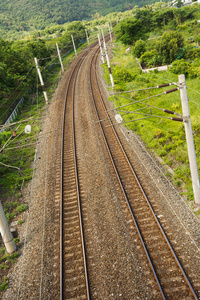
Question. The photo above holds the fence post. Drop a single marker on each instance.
(189, 139)
(60, 59)
(5, 232)
(41, 80)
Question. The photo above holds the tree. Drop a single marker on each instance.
(145, 17)
(178, 3)
(140, 48)
(170, 46)
(129, 31)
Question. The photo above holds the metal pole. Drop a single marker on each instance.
(108, 62)
(87, 36)
(60, 59)
(101, 50)
(5, 232)
(74, 45)
(110, 32)
(189, 139)
(41, 80)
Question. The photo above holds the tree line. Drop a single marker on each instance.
(30, 15)
(178, 43)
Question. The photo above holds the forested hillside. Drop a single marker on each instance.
(30, 15)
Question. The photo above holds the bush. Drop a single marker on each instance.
(122, 75)
(193, 53)
(21, 208)
(140, 48)
(170, 46)
(151, 59)
(180, 67)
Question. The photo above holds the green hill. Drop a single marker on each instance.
(30, 15)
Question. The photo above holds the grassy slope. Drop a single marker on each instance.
(166, 137)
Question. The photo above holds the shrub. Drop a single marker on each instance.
(193, 53)
(21, 208)
(4, 285)
(180, 67)
(140, 48)
(122, 75)
(20, 221)
(170, 46)
(151, 59)
(10, 216)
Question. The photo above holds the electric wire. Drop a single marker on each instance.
(137, 101)
(187, 230)
(169, 156)
(187, 88)
(152, 106)
(16, 88)
(138, 90)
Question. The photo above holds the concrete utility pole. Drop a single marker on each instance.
(60, 59)
(189, 139)
(110, 32)
(5, 232)
(74, 45)
(41, 80)
(87, 36)
(108, 61)
(101, 50)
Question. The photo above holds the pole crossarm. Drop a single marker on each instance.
(189, 139)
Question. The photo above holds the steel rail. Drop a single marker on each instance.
(122, 188)
(76, 68)
(147, 200)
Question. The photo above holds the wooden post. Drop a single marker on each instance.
(41, 80)
(60, 59)
(74, 45)
(189, 139)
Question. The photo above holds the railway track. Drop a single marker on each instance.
(73, 276)
(166, 268)
(172, 282)
(73, 272)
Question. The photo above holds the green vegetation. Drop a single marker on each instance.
(4, 284)
(31, 15)
(165, 137)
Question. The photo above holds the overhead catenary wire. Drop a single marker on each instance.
(188, 87)
(155, 107)
(141, 100)
(166, 198)
(144, 89)
(16, 88)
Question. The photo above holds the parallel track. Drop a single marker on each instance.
(168, 272)
(73, 271)
(166, 269)
(73, 265)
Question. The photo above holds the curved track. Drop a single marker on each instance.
(170, 276)
(73, 274)
(166, 269)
